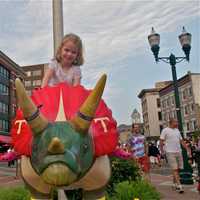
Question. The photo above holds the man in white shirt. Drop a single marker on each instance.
(173, 140)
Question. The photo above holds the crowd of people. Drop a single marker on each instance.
(166, 150)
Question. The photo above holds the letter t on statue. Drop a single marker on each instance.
(20, 122)
(102, 120)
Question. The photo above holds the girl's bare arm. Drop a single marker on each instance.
(48, 74)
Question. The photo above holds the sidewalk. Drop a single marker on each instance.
(163, 184)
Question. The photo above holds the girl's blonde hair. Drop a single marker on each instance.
(78, 42)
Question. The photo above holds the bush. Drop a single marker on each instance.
(16, 193)
(122, 170)
(138, 189)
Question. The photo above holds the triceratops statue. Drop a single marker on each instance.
(64, 134)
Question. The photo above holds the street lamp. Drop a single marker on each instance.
(185, 40)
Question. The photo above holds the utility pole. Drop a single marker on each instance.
(57, 23)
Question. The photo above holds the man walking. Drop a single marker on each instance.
(173, 140)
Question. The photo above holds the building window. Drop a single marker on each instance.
(166, 116)
(194, 125)
(186, 109)
(163, 104)
(190, 91)
(36, 82)
(159, 116)
(4, 89)
(4, 125)
(170, 115)
(172, 100)
(4, 72)
(191, 126)
(144, 105)
(37, 73)
(3, 108)
(184, 94)
(161, 128)
(147, 130)
(174, 114)
(192, 107)
(28, 73)
(188, 126)
(168, 102)
(158, 103)
(27, 83)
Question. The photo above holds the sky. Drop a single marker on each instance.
(114, 35)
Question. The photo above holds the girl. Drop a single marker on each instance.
(65, 67)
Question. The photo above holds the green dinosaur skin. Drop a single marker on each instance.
(78, 154)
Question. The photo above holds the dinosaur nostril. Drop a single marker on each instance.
(56, 146)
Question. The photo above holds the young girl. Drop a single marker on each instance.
(65, 67)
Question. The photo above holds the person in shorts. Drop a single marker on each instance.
(173, 140)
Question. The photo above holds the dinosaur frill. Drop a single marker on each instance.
(103, 127)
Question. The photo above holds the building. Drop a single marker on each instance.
(34, 75)
(125, 131)
(9, 70)
(135, 116)
(189, 95)
(151, 109)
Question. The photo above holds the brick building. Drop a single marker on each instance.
(9, 70)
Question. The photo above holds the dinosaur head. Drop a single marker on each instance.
(62, 151)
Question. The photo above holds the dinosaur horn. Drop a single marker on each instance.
(56, 146)
(31, 113)
(83, 119)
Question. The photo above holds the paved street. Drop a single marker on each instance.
(162, 180)
(8, 176)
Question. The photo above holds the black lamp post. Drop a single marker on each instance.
(185, 40)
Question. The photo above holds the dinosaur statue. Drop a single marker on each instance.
(64, 135)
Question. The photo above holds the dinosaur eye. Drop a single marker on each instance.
(85, 148)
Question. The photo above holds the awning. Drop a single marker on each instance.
(5, 139)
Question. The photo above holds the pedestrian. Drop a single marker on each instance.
(173, 140)
(154, 155)
(11, 156)
(65, 66)
(139, 149)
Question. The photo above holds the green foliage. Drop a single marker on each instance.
(17, 193)
(122, 170)
(196, 134)
(138, 189)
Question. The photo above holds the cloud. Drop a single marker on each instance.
(112, 32)
(113, 29)
(27, 33)
(110, 29)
